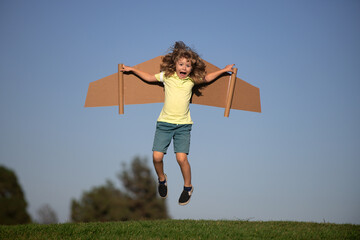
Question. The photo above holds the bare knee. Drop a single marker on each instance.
(158, 156)
(181, 158)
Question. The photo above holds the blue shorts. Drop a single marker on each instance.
(180, 133)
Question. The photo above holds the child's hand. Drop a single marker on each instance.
(126, 69)
(229, 68)
(143, 75)
(212, 76)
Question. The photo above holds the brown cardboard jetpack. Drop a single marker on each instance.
(120, 89)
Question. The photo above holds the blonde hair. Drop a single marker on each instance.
(178, 51)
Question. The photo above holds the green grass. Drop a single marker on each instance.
(183, 229)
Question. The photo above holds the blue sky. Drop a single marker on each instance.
(298, 160)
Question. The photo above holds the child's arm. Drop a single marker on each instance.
(211, 76)
(144, 75)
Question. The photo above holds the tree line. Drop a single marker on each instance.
(136, 200)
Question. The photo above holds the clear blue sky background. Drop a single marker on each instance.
(297, 160)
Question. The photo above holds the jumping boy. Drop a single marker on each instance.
(181, 69)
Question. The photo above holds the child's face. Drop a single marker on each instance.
(183, 68)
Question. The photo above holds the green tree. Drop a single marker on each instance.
(137, 201)
(103, 203)
(46, 215)
(139, 183)
(12, 201)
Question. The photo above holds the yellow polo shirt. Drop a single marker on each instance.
(178, 93)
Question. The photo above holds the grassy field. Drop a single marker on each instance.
(183, 229)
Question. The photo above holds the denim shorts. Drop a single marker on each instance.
(165, 132)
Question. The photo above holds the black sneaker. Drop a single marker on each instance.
(162, 188)
(185, 197)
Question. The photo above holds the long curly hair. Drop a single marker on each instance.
(180, 50)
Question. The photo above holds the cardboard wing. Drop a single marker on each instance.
(121, 89)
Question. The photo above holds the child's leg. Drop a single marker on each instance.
(185, 168)
(159, 165)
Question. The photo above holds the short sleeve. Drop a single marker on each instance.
(160, 76)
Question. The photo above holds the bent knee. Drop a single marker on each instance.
(158, 156)
(181, 158)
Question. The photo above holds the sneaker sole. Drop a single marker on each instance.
(183, 204)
